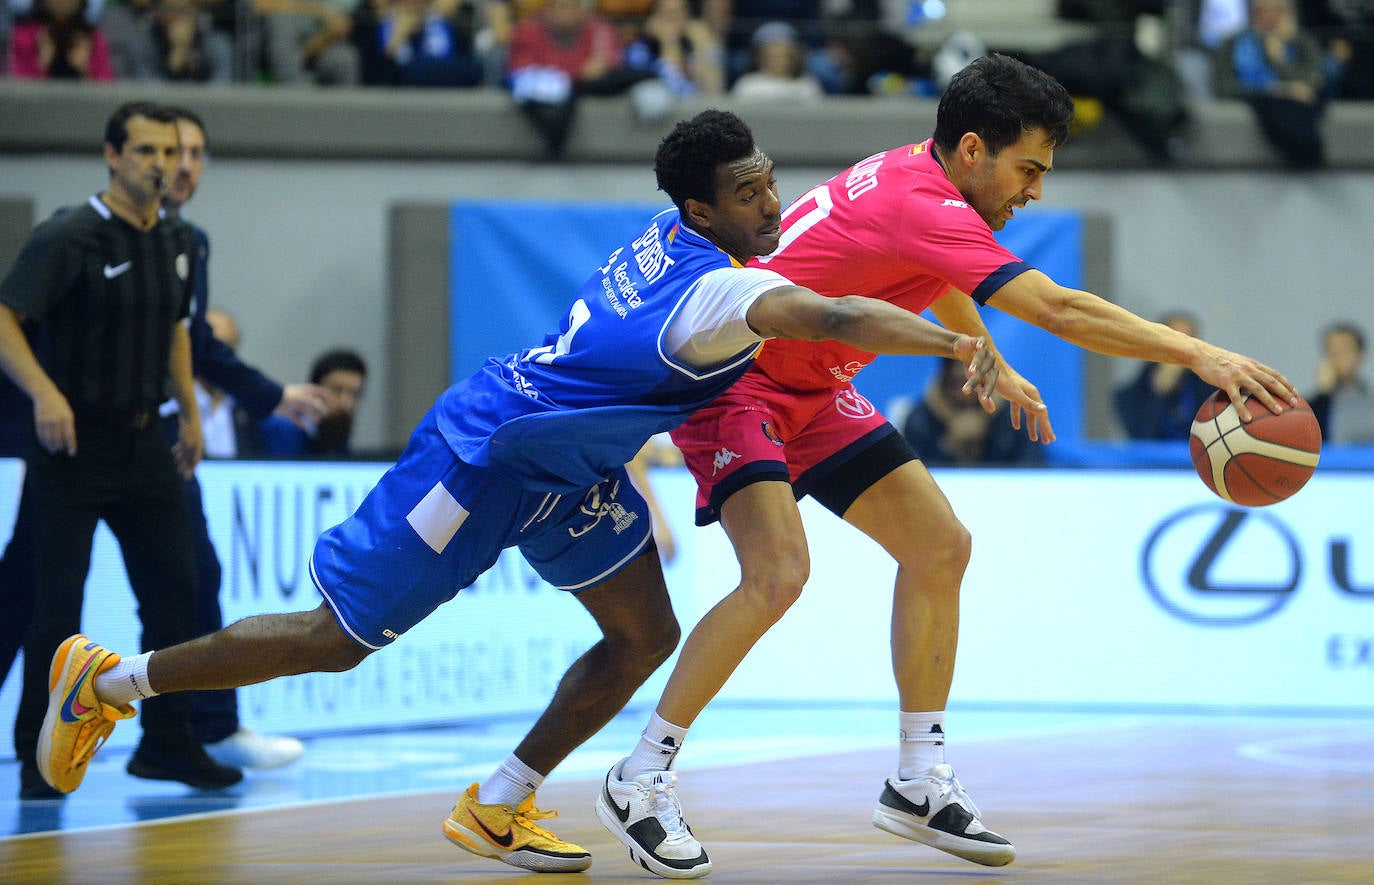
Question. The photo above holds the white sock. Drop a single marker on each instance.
(126, 681)
(510, 784)
(922, 743)
(657, 748)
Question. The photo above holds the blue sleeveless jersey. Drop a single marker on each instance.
(563, 416)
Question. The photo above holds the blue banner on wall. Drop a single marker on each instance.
(514, 268)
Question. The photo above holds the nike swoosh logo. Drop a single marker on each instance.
(113, 271)
(893, 799)
(505, 841)
(72, 709)
(622, 813)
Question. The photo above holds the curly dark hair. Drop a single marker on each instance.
(999, 98)
(689, 156)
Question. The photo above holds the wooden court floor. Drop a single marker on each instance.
(1148, 800)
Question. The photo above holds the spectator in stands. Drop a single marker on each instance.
(558, 54)
(307, 41)
(680, 48)
(949, 428)
(1346, 30)
(1162, 400)
(1343, 402)
(742, 18)
(779, 70)
(419, 43)
(866, 52)
(180, 45)
(1133, 79)
(343, 375)
(57, 41)
(1280, 70)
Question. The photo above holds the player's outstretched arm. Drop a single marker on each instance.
(956, 311)
(872, 325)
(1096, 324)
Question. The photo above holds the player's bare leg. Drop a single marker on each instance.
(765, 527)
(910, 517)
(639, 632)
(641, 808)
(255, 650)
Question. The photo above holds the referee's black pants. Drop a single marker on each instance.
(122, 473)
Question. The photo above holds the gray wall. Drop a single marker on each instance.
(300, 248)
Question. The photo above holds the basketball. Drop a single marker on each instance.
(1259, 463)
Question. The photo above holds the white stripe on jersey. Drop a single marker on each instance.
(709, 326)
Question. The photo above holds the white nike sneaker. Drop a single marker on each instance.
(935, 810)
(245, 749)
(645, 815)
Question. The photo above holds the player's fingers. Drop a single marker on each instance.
(1238, 399)
(1046, 428)
(1269, 401)
(1281, 386)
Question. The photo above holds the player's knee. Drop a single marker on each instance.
(334, 650)
(943, 547)
(775, 587)
(950, 547)
(648, 645)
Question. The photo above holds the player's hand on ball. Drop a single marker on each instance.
(1240, 376)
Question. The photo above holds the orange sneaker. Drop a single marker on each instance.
(512, 836)
(77, 722)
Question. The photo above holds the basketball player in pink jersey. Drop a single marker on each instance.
(913, 226)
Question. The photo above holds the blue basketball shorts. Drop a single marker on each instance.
(433, 524)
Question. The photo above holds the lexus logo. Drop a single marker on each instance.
(1221, 566)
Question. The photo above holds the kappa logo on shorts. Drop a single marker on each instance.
(723, 458)
(851, 404)
(599, 506)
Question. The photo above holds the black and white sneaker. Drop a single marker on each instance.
(935, 810)
(645, 815)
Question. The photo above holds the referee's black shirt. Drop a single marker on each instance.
(105, 298)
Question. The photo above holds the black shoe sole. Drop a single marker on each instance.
(201, 777)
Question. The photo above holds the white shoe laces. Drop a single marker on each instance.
(953, 791)
(664, 804)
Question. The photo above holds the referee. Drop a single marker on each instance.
(107, 286)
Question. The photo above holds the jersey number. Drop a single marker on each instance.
(817, 213)
(577, 316)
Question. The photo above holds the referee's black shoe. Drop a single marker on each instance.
(191, 765)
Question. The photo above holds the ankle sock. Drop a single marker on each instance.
(922, 743)
(126, 681)
(510, 784)
(657, 748)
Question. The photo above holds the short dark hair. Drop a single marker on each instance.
(117, 127)
(333, 361)
(1348, 328)
(182, 113)
(689, 156)
(999, 98)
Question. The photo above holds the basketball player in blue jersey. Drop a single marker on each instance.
(529, 452)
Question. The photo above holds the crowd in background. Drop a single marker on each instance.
(791, 49)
